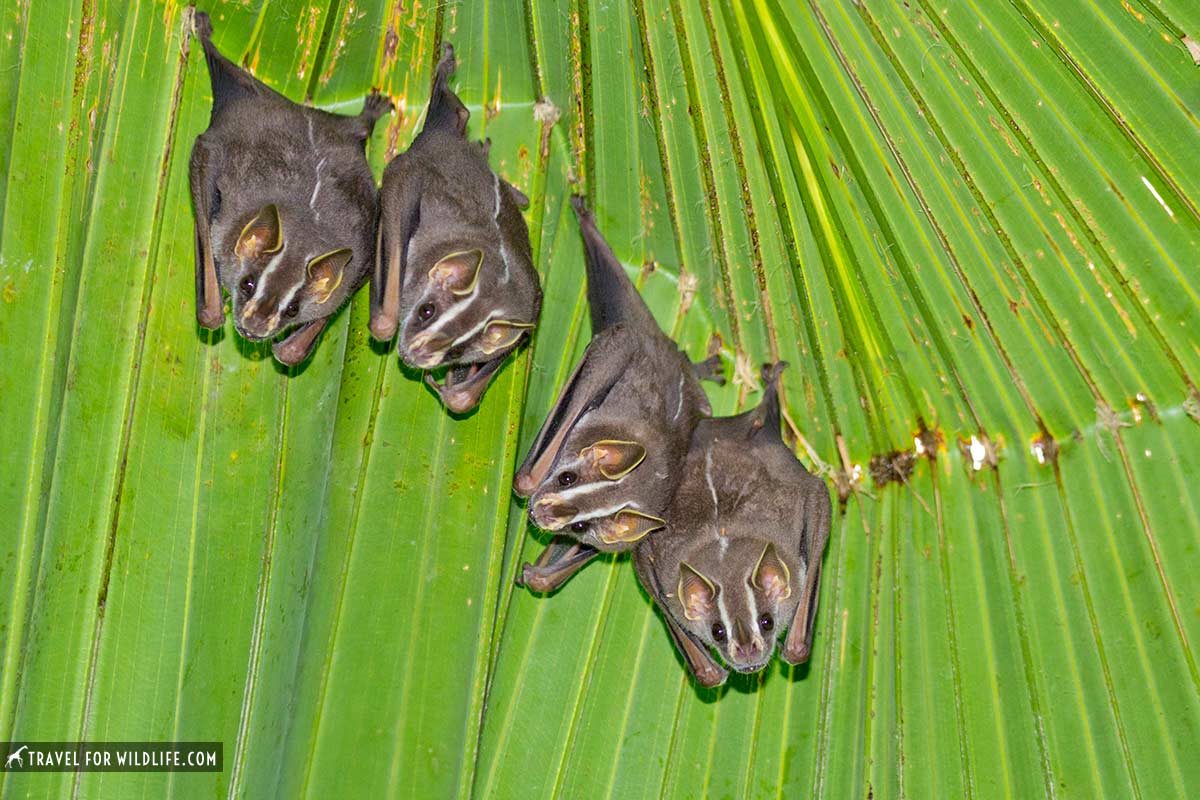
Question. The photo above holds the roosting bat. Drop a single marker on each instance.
(606, 461)
(285, 208)
(740, 560)
(454, 271)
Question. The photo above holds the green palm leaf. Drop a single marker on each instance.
(975, 225)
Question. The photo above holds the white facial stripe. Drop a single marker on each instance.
(469, 334)
(455, 310)
(679, 406)
(580, 490)
(753, 605)
(724, 616)
(604, 512)
(584, 489)
(496, 213)
(261, 286)
(287, 300)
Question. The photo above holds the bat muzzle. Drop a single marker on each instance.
(551, 514)
(426, 351)
(747, 655)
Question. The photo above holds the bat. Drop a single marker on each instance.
(285, 208)
(454, 271)
(602, 469)
(740, 560)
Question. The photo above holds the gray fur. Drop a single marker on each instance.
(634, 386)
(742, 490)
(440, 197)
(261, 149)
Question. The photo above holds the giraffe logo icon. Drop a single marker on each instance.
(16, 757)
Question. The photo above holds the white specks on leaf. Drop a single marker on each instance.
(688, 284)
(545, 112)
(744, 373)
(1193, 48)
(1158, 197)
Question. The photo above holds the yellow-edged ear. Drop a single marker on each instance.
(263, 234)
(325, 273)
(615, 459)
(628, 526)
(458, 272)
(771, 576)
(500, 334)
(696, 593)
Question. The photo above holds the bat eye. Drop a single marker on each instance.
(718, 632)
(292, 310)
(579, 527)
(426, 312)
(766, 622)
(567, 478)
(246, 287)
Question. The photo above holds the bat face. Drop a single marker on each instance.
(736, 596)
(739, 562)
(606, 461)
(454, 275)
(278, 278)
(285, 208)
(459, 304)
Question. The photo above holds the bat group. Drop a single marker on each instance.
(726, 527)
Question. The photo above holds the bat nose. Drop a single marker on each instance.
(745, 646)
(551, 514)
(426, 351)
(750, 652)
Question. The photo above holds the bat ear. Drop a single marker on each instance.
(771, 575)
(627, 526)
(457, 272)
(263, 234)
(696, 593)
(615, 459)
(325, 273)
(500, 334)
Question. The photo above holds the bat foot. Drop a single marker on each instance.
(711, 369)
(375, 106)
(202, 25)
(579, 204)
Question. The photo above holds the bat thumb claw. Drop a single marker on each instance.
(771, 372)
(210, 318)
(522, 578)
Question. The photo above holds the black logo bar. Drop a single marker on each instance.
(112, 756)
